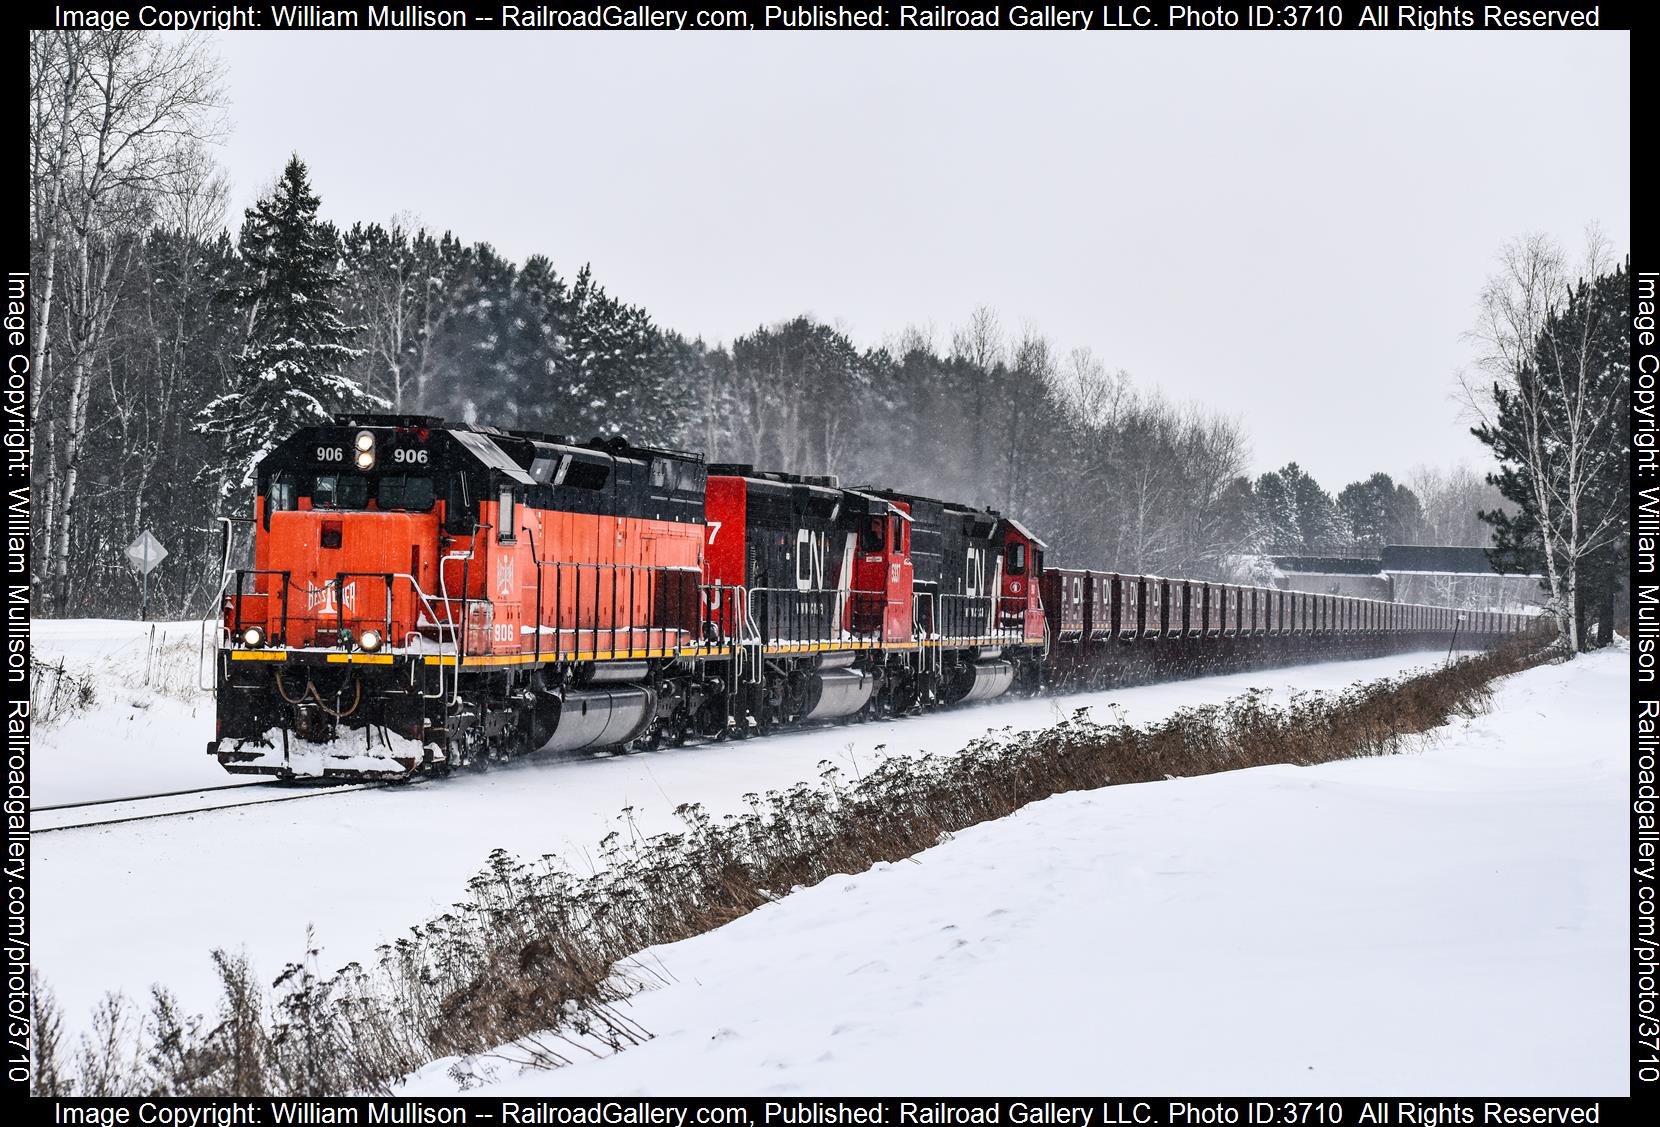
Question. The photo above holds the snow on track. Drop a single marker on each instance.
(1451, 923)
(125, 906)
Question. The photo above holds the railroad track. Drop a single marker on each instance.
(175, 804)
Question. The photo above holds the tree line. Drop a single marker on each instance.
(172, 352)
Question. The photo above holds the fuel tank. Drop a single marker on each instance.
(988, 679)
(838, 692)
(601, 717)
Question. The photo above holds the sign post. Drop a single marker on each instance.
(144, 553)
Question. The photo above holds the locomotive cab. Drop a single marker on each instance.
(348, 522)
(884, 578)
(1019, 601)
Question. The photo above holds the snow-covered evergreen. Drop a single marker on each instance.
(292, 370)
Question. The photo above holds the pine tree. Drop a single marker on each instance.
(292, 370)
(1379, 512)
(1296, 516)
(616, 357)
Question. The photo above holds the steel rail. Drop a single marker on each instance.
(348, 789)
(145, 797)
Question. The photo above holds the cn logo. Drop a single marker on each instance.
(811, 550)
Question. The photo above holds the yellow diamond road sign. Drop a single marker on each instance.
(145, 553)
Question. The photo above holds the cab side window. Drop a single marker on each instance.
(870, 536)
(282, 496)
(285, 494)
(458, 509)
(1017, 558)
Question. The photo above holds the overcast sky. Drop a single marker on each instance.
(1290, 229)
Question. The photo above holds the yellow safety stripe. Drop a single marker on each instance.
(575, 655)
(817, 647)
(623, 655)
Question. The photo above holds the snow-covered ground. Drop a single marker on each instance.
(122, 907)
(1445, 923)
(148, 727)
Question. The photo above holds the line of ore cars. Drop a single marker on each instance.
(428, 596)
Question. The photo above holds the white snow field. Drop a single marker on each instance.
(148, 728)
(1444, 923)
(122, 907)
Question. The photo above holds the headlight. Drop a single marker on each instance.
(365, 440)
(253, 637)
(369, 641)
(365, 459)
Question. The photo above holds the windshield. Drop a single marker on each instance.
(340, 491)
(400, 492)
(405, 491)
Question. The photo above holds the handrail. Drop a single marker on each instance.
(427, 600)
(458, 634)
(826, 621)
(685, 637)
(980, 610)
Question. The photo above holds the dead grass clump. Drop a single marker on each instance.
(57, 692)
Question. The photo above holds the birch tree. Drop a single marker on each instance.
(1550, 409)
(114, 112)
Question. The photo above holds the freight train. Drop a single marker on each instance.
(428, 596)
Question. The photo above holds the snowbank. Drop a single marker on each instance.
(1437, 924)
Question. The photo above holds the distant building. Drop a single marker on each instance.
(1442, 575)
(1457, 577)
(1332, 575)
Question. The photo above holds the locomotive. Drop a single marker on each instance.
(428, 596)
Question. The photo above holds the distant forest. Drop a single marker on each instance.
(172, 349)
